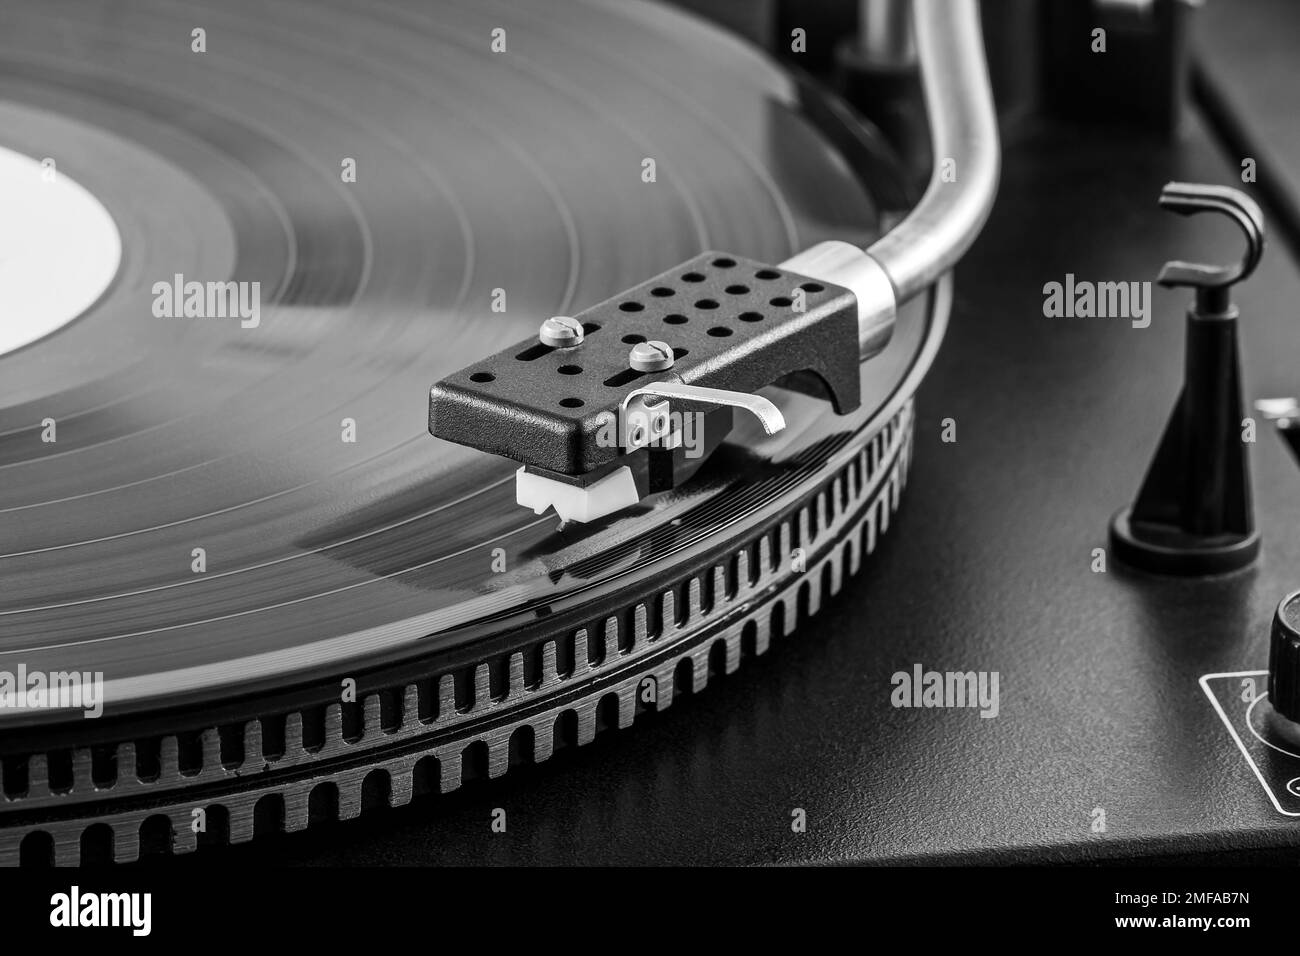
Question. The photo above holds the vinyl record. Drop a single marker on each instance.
(227, 515)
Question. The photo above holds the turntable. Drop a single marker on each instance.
(397, 398)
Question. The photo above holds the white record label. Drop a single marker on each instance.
(59, 249)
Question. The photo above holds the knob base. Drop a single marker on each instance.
(1164, 549)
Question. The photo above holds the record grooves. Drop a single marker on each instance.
(373, 559)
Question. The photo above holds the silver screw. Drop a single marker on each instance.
(650, 356)
(561, 332)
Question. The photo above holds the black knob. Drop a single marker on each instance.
(1284, 659)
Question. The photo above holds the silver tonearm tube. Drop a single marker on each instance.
(963, 182)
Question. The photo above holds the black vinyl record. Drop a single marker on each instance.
(500, 155)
